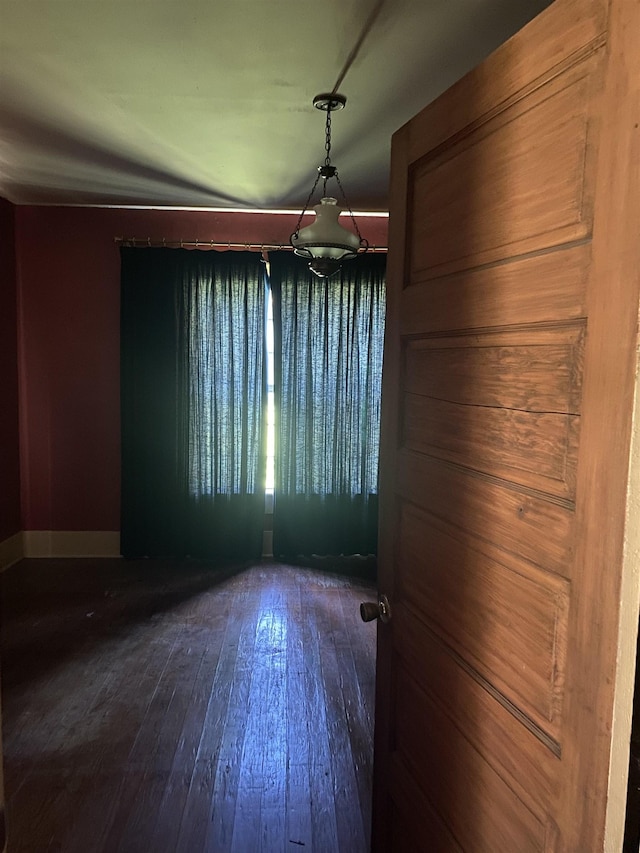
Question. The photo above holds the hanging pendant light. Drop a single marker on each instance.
(325, 242)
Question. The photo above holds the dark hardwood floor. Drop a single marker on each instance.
(152, 706)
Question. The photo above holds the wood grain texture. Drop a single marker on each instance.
(521, 757)
(503, 617)
(481, 810)
(603, 486)
(535, 370)
(544, 288)
(504, 403)
(491, 510)
(172, 707)
(533, 449)
(508, 391)
(566, 31)
(538, 141)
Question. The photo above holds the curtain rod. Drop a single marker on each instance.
(211, 244)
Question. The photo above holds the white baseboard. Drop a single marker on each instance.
(71, 543)
(11, 550)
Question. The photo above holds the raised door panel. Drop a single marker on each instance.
(481, 808)
(492, 510)
(504, 404)
(505, 620)
(523, 755)
(537, 371)
(548, 288)
(536, 449)
(544, 140)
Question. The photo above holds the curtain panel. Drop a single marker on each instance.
(328, 371)
(193, 403)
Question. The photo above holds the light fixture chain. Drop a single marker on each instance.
(327, 143)
(363, 242)
(306, 205)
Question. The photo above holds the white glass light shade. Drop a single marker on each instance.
(325, 237)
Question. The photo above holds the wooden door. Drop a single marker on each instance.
(509, 379)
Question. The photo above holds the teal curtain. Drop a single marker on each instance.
(192, 403)
(328, 370)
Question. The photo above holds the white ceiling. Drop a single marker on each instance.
(209, 103)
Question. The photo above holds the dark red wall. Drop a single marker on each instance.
(69, 280)
(10, 521)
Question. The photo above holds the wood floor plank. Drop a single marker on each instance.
(227, 699)
(179, 679)
(194, 710)
(224, 797)
(298, 810)
(248, 826)
(260, 818)
(121, 711)
(140, 756)
(351, 831)
(357, 663)
(274, 619)
(323, 808)
(172, 806)
(67, 692)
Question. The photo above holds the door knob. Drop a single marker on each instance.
(380, 609)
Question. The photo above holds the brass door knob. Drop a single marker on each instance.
(380, 609)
